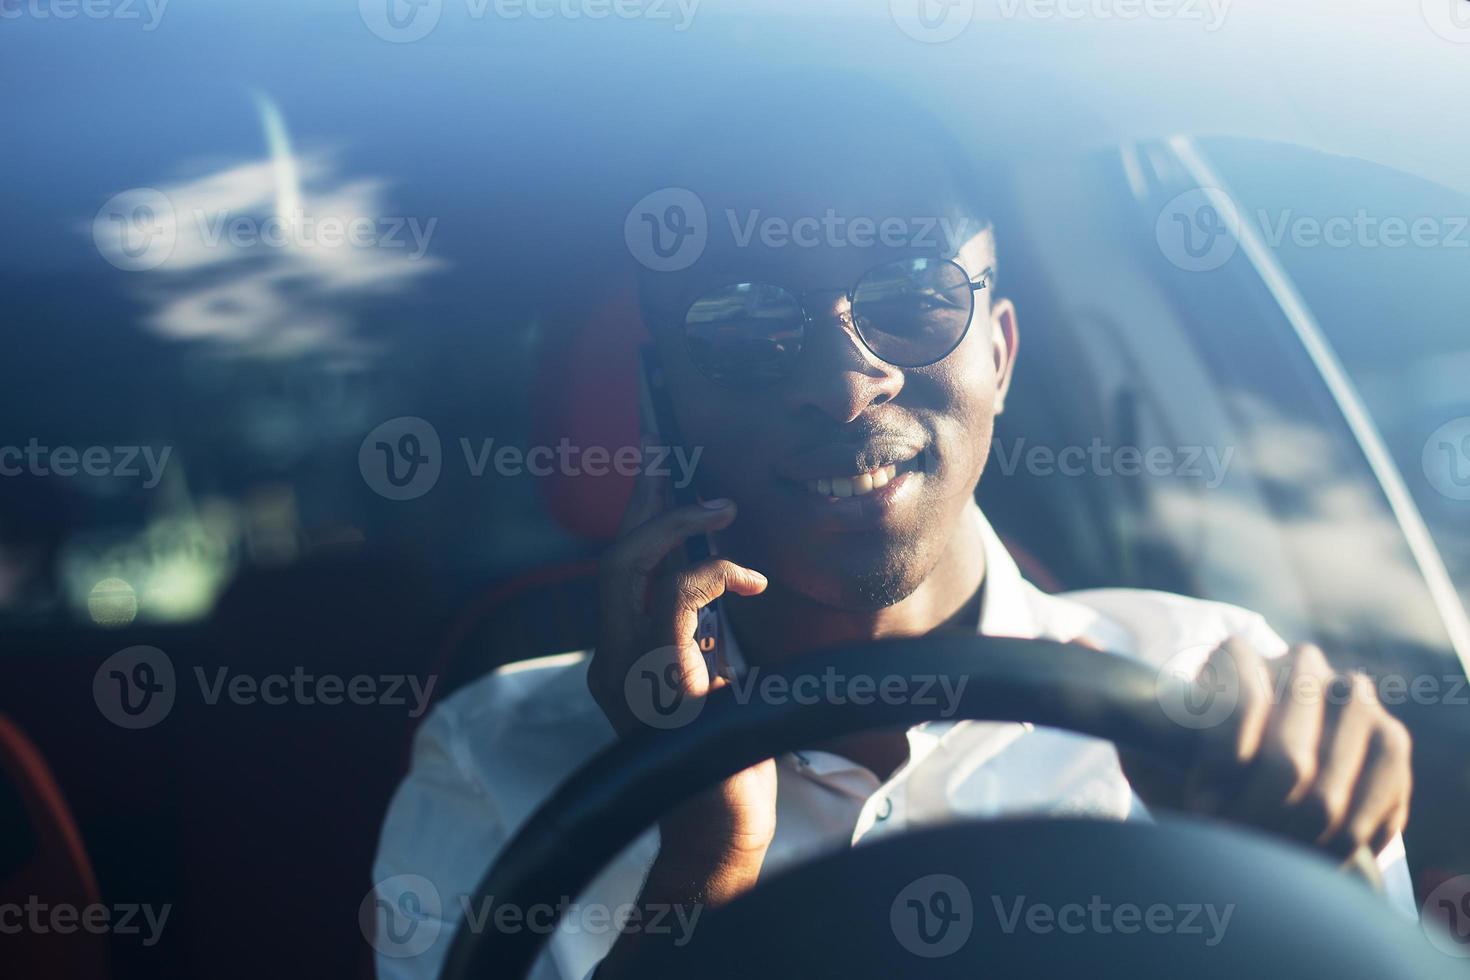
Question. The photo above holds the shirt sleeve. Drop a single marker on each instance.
(442, 831)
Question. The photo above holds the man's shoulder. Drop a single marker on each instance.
(1155, 603)
(525, 700)
(1162, 625)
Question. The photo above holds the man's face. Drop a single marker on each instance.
(842, 412)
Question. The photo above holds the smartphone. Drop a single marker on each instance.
(657, 412)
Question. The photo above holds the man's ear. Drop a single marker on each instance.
(1004, 342)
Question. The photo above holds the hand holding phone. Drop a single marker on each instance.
(645, 669)
(656, 411)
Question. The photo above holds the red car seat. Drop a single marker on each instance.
(42, 859)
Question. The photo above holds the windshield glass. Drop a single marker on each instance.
(328, 332)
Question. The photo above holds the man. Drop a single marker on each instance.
(843, 383)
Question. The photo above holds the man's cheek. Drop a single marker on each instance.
(980, 443)
(963, 443)
(724, 470)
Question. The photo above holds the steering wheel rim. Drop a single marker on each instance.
(621, 792)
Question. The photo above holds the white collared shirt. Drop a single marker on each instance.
(488, 756)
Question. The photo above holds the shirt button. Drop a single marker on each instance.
(885, 810)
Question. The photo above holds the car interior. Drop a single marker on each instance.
(263, 545)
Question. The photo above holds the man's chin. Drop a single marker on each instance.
(854, 582)
(879, 589)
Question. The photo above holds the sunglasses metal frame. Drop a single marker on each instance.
(847, 318)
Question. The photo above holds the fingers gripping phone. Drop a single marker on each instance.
(660, 426)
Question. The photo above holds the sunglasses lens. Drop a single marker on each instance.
(914, 311)
(747, 334)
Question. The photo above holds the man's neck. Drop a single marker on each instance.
(782, 624)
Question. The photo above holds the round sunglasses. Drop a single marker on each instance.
(910, 313)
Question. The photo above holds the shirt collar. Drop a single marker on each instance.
(1007, 604)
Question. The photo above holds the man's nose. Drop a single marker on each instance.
(836, 374)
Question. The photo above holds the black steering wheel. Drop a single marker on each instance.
(1278, 893)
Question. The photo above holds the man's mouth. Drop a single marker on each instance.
(860, 484)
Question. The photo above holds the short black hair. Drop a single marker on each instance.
(778, 108)
(805, 114)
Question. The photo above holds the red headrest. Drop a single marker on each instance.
(587, 393)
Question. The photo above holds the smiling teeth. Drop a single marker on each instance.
(854, 486)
